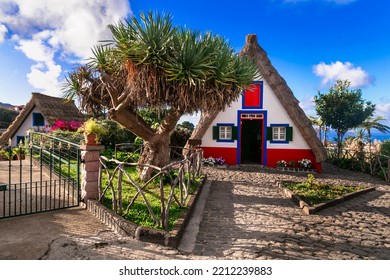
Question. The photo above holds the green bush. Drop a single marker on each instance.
(116, 134)
(70, 136)
(385, 148)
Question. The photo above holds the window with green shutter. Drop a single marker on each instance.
(223, 132)
(280, 133)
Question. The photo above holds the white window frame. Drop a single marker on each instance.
(279, 133)
(225, 132)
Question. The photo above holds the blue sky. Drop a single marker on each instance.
(311, 43)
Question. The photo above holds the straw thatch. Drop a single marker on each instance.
(285, 95)
(52, 109)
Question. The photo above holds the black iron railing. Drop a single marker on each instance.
(41, 174)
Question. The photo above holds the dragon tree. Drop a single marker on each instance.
(152, 64)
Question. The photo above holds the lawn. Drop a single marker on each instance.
(133, 205)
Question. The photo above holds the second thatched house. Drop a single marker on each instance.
(265, 126)
(39, 113)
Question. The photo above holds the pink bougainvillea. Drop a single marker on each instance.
(68, 126)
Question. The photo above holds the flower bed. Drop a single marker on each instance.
(304, 165)
(312, 196)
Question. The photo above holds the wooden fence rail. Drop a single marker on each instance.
(370, 162)
(178, 176)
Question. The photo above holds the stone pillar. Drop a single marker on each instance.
(90, 171)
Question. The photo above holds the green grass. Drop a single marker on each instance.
(314, 193)
(139, 213)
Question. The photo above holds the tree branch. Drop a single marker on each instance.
(169, 122)
(133, 122)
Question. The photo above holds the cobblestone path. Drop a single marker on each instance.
(247, 217)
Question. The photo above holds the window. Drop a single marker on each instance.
(253, 97)
(38, 119)
(225, 132)
(280, 133)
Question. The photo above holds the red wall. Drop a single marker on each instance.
(229, 154)
(273, 155)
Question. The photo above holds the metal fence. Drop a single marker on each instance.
(39, 175)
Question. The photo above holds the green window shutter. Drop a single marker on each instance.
(289, 133)
(234, 133)
(215, 132)
(269, 133)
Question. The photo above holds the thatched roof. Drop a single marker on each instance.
(284, 94)
(52, 109)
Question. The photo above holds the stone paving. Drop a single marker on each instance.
(247, 217)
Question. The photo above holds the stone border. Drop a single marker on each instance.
(128, 228)
(296, 170)
(314, 209)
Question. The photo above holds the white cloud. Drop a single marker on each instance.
(307, 105)
(3, 32)
(383, 110)
(342, 71)
(49, 30)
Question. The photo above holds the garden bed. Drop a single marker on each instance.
(127, 228)
(312, 196)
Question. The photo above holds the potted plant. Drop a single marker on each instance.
(305, 164)
(19, 152)
(92, 130)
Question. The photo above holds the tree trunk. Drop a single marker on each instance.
(206, 119)
(340, 135)
(155, 152)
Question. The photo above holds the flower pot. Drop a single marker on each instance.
(90, 139)
(21, 156)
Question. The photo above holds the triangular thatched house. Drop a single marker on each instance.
(266, 125)
(39, 113)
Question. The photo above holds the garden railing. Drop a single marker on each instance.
(178, 176)
(369, 162)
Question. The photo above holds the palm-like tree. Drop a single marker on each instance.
(317, 121)
(374, 123)
(152, 64)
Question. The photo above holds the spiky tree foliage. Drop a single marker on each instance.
(374, 123)
(152, 64)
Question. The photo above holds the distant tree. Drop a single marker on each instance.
(189, 125)
(342, 108)
(152, 64)
(317, 121)
(7, 116)
(374, 123)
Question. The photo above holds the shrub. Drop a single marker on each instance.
(65, 126)
(385, 148)
(116, 134)
(281, 163)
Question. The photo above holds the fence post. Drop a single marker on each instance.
(90, 171)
